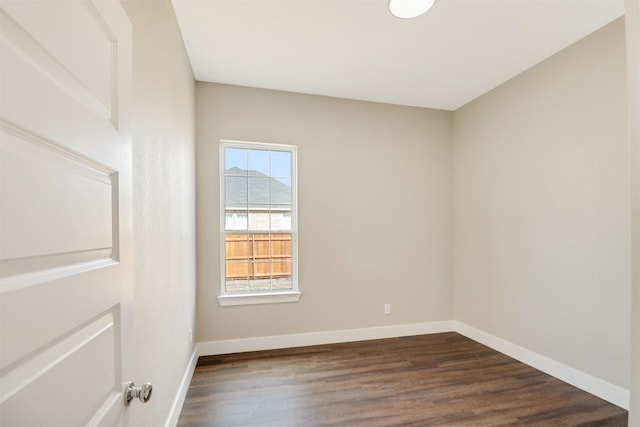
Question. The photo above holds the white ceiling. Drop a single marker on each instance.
(356, 49)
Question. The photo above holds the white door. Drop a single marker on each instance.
(65, 201)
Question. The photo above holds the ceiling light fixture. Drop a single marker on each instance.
(409, 8)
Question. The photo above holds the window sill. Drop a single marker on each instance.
(248, 299)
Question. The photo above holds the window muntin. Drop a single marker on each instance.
(259, 218)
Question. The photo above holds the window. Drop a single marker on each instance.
(258, 223)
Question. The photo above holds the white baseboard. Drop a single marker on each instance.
(176, 408)
(604, 390)
(211, 348)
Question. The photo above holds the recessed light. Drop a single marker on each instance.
(409, 8)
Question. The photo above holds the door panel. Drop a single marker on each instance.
(85, 357)
(65, 212)
(76, 49)
(76, 194)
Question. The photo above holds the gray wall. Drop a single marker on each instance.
(375, 210)
(163, 205)
(541, 195)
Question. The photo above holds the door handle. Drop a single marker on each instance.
(131, 392)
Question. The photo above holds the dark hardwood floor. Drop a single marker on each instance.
(428, 380)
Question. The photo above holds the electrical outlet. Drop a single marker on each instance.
(387, 309)
(190, 336)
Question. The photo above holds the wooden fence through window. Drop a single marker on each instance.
(257, 256)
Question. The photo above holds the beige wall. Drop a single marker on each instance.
(164, 205)
(375, 210)
(632, 25)
(541, 196)
(541, 222)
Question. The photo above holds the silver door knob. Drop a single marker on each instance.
(131, 392)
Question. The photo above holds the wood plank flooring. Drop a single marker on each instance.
(428, 380)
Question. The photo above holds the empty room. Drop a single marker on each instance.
(320, 212)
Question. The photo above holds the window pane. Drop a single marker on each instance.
(281, 164)
(235, 161)
(280, 221)
(281, 247)
(237, 247)
(259, 190)
(261, 270)
(235, 192)
(261, 276)
(237, 285)
(259, 162)
(281, 268)
(259, 221)
(237, 270)
(281, 191)
(260, 247)
(260, 285)
(236, 221)
(281, 283)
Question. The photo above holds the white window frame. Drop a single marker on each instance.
(266, 297)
